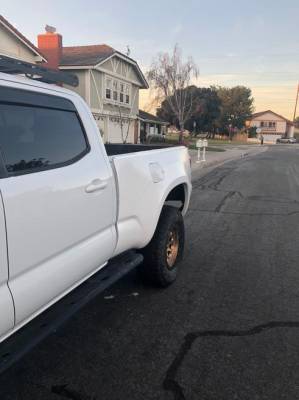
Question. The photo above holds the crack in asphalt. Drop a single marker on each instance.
(253, 214)
(203, 184)
(206, 182)
(261, 198)
(269, 199)
(170, 382)
(222, 203)
(220, 175)
(265, 199)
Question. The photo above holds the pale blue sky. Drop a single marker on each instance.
(254, 43)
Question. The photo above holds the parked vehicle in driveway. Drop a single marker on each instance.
(286, 140)
(69, 204)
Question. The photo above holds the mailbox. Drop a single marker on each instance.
(205, 143)
(199, 143)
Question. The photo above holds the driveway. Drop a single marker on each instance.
(227, 329)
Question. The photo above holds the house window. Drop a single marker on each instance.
(117, 91)
(262, 124)
(272, 124)
(121, 93)
(108, 88)
(127, 94)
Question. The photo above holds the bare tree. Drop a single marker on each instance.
(169, 77)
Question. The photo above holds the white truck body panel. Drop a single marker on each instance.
(152, 172)
(6, 302)
(79, 236)
(63, 224)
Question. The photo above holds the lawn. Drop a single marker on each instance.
(209, 148)
(173, 139)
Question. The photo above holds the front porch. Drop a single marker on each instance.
(151, 126)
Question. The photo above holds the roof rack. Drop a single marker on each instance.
(36, 72)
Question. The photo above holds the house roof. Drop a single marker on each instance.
(258, 114)
(92, 55)
(145, 116)
(21, 37)
(85, 55)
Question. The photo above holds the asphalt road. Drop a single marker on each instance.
(227, 329)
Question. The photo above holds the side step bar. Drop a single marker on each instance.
(15, 347)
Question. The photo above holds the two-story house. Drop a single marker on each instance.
(271, 125)
(109, 81)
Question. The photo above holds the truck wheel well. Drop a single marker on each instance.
(176, 197)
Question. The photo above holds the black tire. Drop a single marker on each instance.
(158, 267)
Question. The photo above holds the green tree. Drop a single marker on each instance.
(206, 111)
(236, 107)
(203, 114)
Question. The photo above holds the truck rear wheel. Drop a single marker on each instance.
(163, 254)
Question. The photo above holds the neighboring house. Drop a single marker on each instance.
(150, 125)
(109, 81)
(14, 44)
(271, 125)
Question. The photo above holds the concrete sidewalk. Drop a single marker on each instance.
(216, 158)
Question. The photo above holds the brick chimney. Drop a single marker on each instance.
(50, 44)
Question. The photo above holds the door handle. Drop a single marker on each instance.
(95, 185)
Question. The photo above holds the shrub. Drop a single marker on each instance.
(155, 139)
(252, 132)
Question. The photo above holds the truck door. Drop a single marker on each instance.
(59, 198)
(6, 303)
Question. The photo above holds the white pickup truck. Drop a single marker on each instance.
(69, 204)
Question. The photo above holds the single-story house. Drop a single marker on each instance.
(271, 125)
(14, 44)
(109, 81)
(151, 125)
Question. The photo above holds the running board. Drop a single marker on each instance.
(20, 343)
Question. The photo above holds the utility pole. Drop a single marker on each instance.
(295, 111)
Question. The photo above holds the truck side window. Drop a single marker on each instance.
(33, 138)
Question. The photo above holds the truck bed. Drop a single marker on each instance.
(144, 176)
(118, 148)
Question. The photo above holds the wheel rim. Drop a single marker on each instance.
(172, 248)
